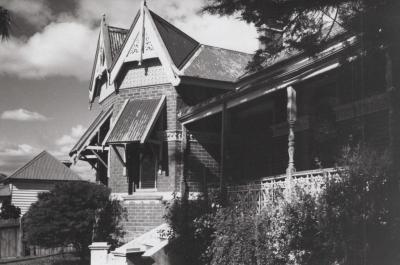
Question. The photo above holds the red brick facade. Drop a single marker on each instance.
(143, 215)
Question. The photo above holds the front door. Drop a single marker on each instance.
(148, 167)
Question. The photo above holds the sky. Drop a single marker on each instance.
(45, 67)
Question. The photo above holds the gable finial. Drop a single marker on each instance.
(103, 17)
(142, 33)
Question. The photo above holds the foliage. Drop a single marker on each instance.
(74, 213)
(189, 221)
(9, 211)
(353, 220)
(307, 25)
(5, 23)
(361, 211)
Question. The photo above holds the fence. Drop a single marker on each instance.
(12, 245)
(9, 238)
(259, 193)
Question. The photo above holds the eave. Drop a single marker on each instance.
(288, 72)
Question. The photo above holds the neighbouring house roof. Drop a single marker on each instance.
(217, 64)
(2, 177)
(92, 130)
(135, 121)
(44, 167)
(117, 37)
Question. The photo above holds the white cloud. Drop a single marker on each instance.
(119, 13)
(84, 170)
(61, 49)
(35, 12)
(22, 115)
(67, 141)
(77, 131)
(64, 145)
(13, 156)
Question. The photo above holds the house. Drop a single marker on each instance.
(40, 174)
(177, 114)
(141, 79)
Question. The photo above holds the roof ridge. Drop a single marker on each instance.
(217, 47)
(28, 163)
(118, 28)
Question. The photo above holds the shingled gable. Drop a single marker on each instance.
(144, 42)
(44, 167)
(109, 44)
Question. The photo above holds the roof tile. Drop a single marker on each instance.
(218, 64)
(45, 167)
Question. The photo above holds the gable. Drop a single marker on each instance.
(109, 43)
(145, 42)
(148, 48)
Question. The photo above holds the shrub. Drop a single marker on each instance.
(9, 211)
(191, 230)
(354, 220)
(74, 213)
(361, 220)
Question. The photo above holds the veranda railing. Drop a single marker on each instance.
(261, 192)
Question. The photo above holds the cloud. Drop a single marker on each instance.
(64, 145)
(22, 115)
(61, 49)
(35, 12)
(13, 156)
(84, 170)
(67, 141)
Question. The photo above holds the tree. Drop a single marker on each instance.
(74, 213)
(9, 211)
(5, 23)
(306, 25)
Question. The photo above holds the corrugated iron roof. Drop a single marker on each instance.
(117, 37)
(217, 64)
(180, 46)
(136, 120)
(93, 128)
(45, 167)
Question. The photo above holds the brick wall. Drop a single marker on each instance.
(145, 82)
(142, 216)
(202, 160)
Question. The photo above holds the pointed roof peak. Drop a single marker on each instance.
(44, 166)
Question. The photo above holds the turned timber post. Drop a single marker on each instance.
(291, 118)
(224, 125)
(184, 151)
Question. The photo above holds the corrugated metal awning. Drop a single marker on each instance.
(91, 131)
(135, 121)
